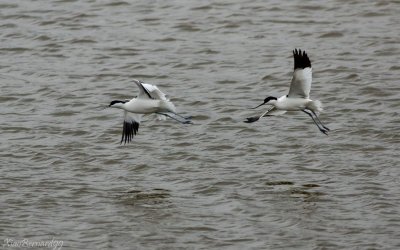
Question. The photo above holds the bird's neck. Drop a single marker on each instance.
(273, 102)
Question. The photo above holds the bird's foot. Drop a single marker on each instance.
(324, 131)
(252, 119)
(326, 128)
(187, 122)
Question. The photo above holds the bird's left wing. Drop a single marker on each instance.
(270, 112)
(131, 126)
(273, 112)
(302, 76)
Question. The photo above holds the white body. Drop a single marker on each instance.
(148, 106)
(295, 104)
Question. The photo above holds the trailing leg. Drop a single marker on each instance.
(320, 129)
(320, 121)
(184, 117)
(173, 118)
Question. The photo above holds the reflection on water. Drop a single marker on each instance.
(133, 197)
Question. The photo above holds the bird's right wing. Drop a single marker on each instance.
(143, 92)
(302, 76)
(131, 126)
(155, 92)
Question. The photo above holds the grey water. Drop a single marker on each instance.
(219, 183)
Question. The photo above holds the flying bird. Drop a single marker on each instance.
(150, 100)
(298, 98)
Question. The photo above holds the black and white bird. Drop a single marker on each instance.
(150, 100)
(298, 98)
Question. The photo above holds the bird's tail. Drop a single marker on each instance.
(316, 106)
(161, 117)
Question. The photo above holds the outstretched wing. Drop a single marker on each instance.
(155, 92)
(302, 76)
(143, 92)
(131, 126)
(149, 91)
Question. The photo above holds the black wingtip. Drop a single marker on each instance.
(129, 130)
(301, 60)
(252, 119)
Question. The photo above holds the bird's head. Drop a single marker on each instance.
(136, 81)
(267, 100)
(116, 104)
